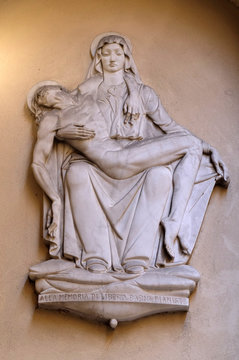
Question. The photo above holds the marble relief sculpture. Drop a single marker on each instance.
(125, 192)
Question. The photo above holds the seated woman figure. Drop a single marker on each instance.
(119, 152)
(112, 158)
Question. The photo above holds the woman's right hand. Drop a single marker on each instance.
(75, 132)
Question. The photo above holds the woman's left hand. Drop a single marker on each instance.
(132, 108)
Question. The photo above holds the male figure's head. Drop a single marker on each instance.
(53, 96)
(50, 97)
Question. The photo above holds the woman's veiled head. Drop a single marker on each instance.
(112, 57)
(129, 65)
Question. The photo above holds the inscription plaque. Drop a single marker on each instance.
(107, 297)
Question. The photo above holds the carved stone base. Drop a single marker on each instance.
(112, 296)
(105, 306)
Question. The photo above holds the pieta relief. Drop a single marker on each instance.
(125, 192)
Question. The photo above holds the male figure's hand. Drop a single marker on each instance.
(75, 132)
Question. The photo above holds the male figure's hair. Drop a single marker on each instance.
(40, 109)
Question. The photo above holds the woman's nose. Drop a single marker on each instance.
(112, 57)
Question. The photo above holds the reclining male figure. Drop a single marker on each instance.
(70, 118)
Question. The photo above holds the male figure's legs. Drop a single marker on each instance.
(163, 151)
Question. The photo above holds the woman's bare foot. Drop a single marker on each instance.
(95, 266)
(136, 269)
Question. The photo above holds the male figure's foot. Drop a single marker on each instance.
(170, 234)
(184, 236)
(184, 245)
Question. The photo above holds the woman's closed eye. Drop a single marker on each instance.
(105, 53)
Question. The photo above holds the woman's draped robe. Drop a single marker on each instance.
(129, 214)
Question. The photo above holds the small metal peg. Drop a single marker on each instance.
(113, 323)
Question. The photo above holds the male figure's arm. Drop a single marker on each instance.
(160, 117)
(42, 150)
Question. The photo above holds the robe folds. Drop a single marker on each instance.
(116, 221)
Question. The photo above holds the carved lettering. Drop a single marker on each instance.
(112, 297)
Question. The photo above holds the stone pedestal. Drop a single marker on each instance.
(112, 296)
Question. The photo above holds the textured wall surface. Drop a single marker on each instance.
(189, 53)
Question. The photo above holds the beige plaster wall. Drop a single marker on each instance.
(188, 51)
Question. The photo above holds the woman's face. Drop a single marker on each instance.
(112, 57)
